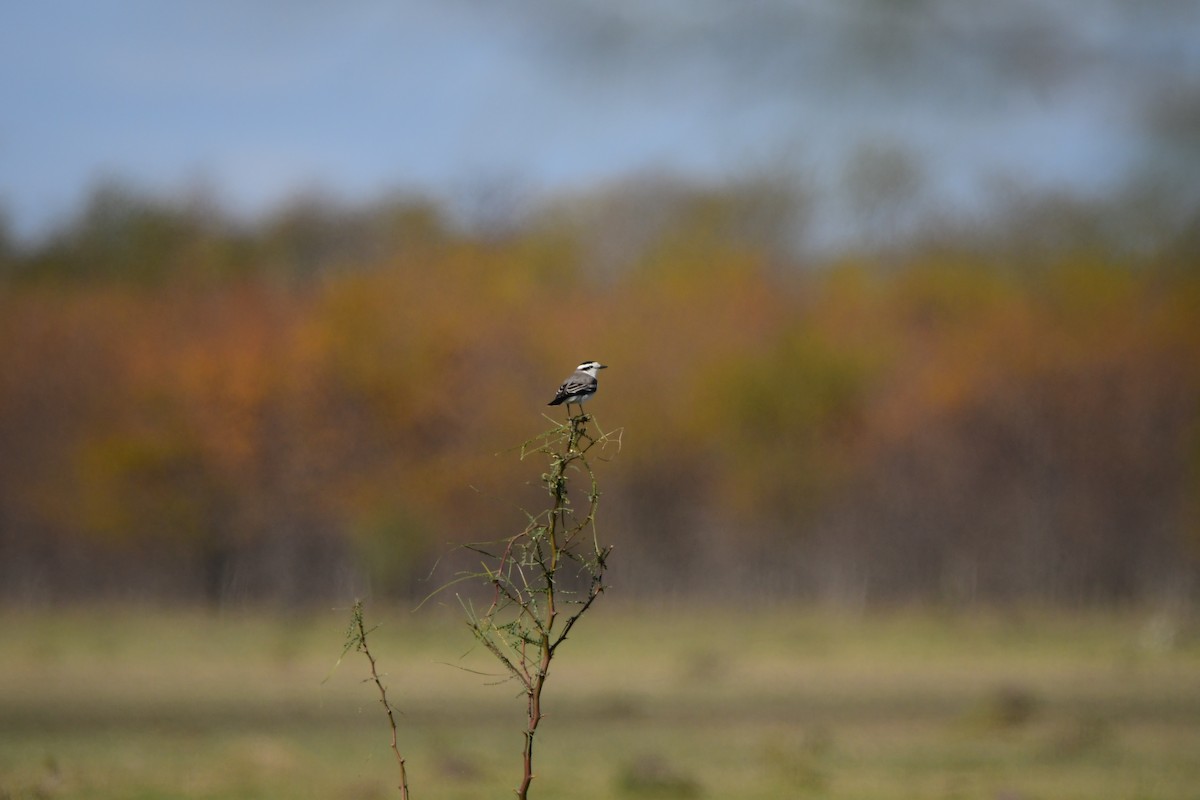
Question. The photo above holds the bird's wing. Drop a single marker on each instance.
(574, 385)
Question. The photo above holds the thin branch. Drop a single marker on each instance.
(358, 637)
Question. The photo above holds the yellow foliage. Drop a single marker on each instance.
(375, 398)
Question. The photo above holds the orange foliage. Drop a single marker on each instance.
(369, 405)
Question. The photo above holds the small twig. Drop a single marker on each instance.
(358, 638)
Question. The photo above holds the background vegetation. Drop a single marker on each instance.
(311, 404)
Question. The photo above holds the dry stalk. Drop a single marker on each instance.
(357, 638)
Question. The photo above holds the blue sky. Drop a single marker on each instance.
(255, 102)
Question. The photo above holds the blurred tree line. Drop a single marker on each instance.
(322, 401)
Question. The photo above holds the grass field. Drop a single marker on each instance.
(664, 702)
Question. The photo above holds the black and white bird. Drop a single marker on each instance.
(579, 387)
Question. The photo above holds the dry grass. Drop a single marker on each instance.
(655, 702)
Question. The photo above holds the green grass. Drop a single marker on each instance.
(658, 702)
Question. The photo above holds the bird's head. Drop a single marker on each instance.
(591, 367)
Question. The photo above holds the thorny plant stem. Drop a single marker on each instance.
(359, 638)
(535, 682)
(521, 626)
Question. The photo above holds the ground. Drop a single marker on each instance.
(658, 701)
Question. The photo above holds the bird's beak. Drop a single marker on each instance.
(602, 366)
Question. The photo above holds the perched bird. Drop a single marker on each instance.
(579, 387)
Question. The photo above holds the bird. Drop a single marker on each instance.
(579, 386)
